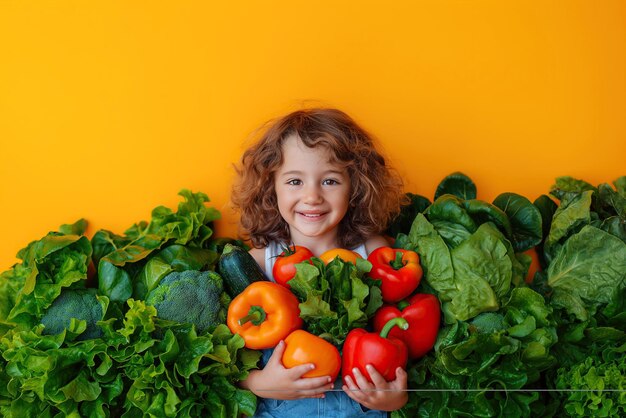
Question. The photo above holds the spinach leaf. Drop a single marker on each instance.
(482, 212)
(609, 203)
(457, 184)
(402, 223)
(114, 282)
(525, 218)
(547, 208)
(449, 208)
(615, 226)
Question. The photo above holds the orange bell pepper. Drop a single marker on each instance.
(302, 347)
(348, 256)
(263, 314)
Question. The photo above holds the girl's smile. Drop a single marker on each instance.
(312, 216)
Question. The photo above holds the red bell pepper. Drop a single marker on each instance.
(423, 314)
(385, 353)
(399, 270)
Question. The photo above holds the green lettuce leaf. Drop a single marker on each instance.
(482, 269)
(587, 270)
(571, 215)
(452, 233)
(434, 257)
(50, 264)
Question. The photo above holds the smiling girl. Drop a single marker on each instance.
(316, 179)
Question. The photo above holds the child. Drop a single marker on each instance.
(315, 179)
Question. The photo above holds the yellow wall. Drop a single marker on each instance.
(109, 108)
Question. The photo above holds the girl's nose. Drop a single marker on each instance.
(312, 195)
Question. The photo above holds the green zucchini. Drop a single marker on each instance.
(238, 269)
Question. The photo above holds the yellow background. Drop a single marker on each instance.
(109, 108)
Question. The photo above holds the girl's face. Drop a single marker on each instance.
(312, 194)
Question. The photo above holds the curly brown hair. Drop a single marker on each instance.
(376, 189)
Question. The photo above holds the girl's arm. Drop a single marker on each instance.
(376, 241)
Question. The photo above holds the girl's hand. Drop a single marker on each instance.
(277, 382)
(381, 395)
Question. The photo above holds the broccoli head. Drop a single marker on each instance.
(74, 303)
(190, 296)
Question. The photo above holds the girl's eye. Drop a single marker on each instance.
(330, 182)
(294, 182)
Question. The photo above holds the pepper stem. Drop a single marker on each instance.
(394, 322)
(403, 304)
(397, 262)
(256, 315)
(289, 250)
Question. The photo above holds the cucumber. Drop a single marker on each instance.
(238, 269)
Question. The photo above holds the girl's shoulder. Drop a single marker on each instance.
(259, 256)
(376, 241)
(265, 256)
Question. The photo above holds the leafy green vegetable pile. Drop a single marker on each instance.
(496, 354)
(133, 325)
(585, 283)
(123, 349)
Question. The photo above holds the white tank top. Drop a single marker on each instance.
(274, 249)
